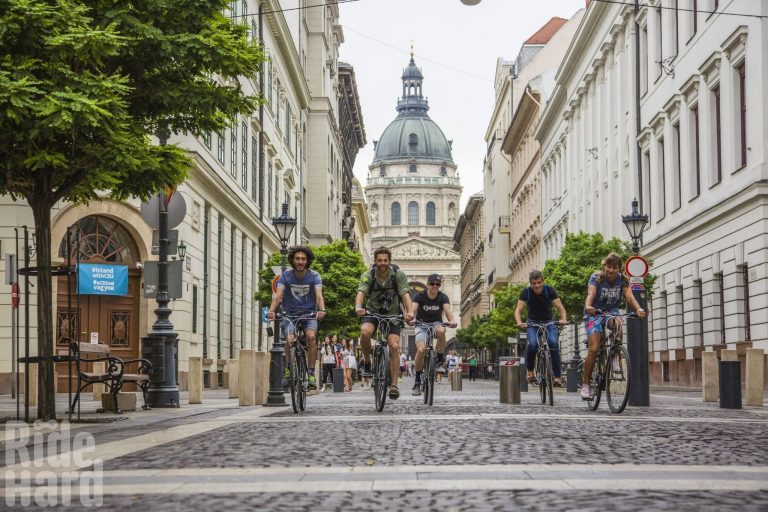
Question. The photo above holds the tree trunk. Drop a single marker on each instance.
(46, 390)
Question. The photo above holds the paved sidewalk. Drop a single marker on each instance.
(467, 452)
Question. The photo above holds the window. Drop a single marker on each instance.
(220, 148)
(207, 139)
(382, 171)
(430, 213)
(277, 104)
(244, 156)
(413, 139)
(443, 171)
(698, 307)
(233, 11)
(721, 302)
(194, 308)
(676, 27)
(677, 189)
(233, 148)
(269, 187)
(254, 168)
(681, 312)
(717, 146)
(254, 30)
(742, 114)
(412, 168)
(413, 213)
(288, 125)
(277, 194)
(659, 42)
(745, 301)
(695, 160)
(693, 17)
(644, 60)
(648, 198)
(244, 10)
(268, 85)
(662, 181)
(395, 214)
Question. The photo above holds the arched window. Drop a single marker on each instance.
(430, 213)
(395, 214)
(412, 168)
(413, 139)
(413, 213)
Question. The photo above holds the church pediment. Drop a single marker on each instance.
(415, 247)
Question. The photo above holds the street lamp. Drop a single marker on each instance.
(635, 223)
(470, 2)
(284, 225)
(182, 250)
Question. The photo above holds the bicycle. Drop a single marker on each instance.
(543, 366)
(299, 373)
(612, 369)
(429, 370)
(382, 379)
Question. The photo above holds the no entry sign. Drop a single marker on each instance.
(636, 266)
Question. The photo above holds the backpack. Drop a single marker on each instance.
(546, 296)
(393, 275)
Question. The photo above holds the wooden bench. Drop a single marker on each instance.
(113, 377)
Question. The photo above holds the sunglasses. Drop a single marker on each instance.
(435, 284)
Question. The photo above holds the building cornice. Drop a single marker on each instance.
(282, 34)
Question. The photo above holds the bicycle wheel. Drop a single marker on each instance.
(432, 375)
(580, 374)
(619, 379)
(294, 382)
(548, 377)
(303, 380)
(380, 378)
(596, 383)
(540, 377)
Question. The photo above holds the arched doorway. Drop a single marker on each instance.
(113, 320)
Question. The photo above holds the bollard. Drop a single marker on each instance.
(730, 385)
(456, 380)
(98, 389)
(570, 378)
(32, 399)
(233, 371)
(509, 382)
(710, 376)
(262, 360)
(755, 369)
(195, 380)
(246, 378)
(338, 380)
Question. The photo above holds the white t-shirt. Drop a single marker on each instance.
(402, 359)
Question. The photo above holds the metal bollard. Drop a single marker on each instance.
(509, 382)
(730, 385)
(571, 380)
(338, 380)
(456, 380)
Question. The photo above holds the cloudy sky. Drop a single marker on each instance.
(456, 47)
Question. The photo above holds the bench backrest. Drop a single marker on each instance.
(91, 348)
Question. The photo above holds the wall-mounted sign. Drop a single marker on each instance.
(102, 279)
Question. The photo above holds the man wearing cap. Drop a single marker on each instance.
(428, 307)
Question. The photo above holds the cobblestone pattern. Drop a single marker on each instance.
(445, 440)
(476, 501)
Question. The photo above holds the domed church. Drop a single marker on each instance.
(413, 194)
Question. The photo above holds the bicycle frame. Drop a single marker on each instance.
(382, 378)
(299, 375)
(544, 373)
(429, 375)
(610, 344)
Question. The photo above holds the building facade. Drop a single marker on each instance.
(469, 242)
(413, 193)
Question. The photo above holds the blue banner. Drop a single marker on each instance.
(102, 279)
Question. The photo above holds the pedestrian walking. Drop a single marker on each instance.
(472, 362)
(329, 362)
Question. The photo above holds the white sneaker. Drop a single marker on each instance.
(585, 394)
(616, 364)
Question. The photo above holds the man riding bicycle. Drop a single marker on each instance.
(604, 292)
(381, 291)
(304, 298)
(429, 307)
(539, 298)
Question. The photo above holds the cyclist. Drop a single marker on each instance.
(382, 290)
(604, 292)
(430, 306)
(304, 297)
(539, 298)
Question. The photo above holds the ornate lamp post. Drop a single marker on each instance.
(637, 328)
(284, 225)
(470, 2)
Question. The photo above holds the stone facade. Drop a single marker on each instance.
(470, 243)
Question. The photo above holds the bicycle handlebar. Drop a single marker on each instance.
(383, 317)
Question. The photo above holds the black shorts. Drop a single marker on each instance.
(394, 325)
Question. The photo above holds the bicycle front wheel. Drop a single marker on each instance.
(619, 379)
(548, 377)
(541, 376)
(294, 382)
(303, 381)
(596, 384)
(431, 376)
(380, 363)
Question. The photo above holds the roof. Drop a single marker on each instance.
(545, 33)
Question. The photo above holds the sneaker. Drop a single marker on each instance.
(394, 393)
(312, 382)
(585, 392)
(367, 371)
(416, 389)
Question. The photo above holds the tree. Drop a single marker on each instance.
(340, 269)
(581, 256)
(496, 326)
(84, 85)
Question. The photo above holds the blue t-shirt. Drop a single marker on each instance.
(300, 295)
(608, 295)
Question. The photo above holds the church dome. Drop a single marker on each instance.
(412, 135)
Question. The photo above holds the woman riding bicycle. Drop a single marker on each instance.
(604, 293)
(539, 298)
(429, 307)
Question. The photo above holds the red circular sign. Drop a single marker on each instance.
(15, 295)
(636, 266)
(274, 284)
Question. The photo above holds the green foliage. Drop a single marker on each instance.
(340, 269)
(581, 256)
(499, 324)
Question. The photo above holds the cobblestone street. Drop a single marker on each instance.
(467, 452)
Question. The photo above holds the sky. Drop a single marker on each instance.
(456, 46)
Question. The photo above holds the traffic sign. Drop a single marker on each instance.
(636, 266)
(177, 209)
(274, 284)
(638, 288)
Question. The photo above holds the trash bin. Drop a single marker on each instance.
(338, 380)
(730, 385)
(455, 380)
(521, 371)
(509, 380)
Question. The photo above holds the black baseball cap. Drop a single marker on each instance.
(435, 278)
